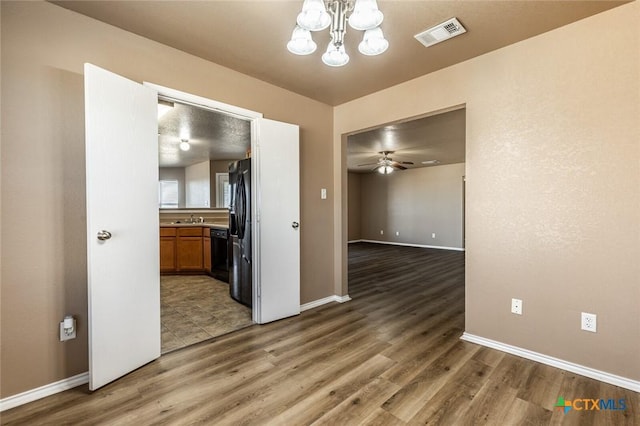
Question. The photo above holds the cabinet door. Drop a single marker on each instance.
(206, 252)
(190, 254)
(167, 254)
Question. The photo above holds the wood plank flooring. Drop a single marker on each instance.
(391, 356)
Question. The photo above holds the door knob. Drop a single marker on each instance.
(104, 235)
(295, 225)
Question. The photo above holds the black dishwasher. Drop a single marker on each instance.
(220, 254)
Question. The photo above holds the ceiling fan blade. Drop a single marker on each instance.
(399, 167)
(368, 164)
(398, 163)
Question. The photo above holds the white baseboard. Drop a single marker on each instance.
(393, 243)
(592, 373)
(43, 391)
(324, 301)
(354, 241)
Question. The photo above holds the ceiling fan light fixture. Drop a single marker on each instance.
(385, 170)
(301, 42)
(314, 16)
(366, 15)
(373, 43)
(185, 145)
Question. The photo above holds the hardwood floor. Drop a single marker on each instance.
(391, 356)
(195, 308)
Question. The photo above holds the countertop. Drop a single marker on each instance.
(217, 225)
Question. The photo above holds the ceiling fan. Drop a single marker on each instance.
(386, 164)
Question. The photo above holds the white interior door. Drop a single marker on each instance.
(276, 206)
(122, 190)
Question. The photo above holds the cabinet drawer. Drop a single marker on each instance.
(190, 232)
(167, 232)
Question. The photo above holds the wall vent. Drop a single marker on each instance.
(441, 32)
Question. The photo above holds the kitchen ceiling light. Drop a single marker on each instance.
(317, 15)
(184, 145)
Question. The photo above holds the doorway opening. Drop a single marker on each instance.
(199, 149)
(121, 145)
(403, 184)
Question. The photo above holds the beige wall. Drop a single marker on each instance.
(354, 206)
(416, 203)
(43, 205)
(553, 200)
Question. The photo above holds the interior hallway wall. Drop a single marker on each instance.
(416, 203)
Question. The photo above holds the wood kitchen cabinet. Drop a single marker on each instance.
(185, 250)
(189, 250)
(168, 246)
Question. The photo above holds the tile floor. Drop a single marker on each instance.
(195, 308)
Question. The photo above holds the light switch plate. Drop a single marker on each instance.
(323, 193)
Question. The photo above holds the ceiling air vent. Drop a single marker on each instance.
(441, 32)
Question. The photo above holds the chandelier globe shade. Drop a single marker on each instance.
(335, 56)
(365, 15)
(301, 42)
(314, 16)
(373, 43)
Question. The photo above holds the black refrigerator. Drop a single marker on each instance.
(240, 283)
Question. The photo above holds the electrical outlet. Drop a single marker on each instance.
(433, 235)
(397, 233)
(589, 322)
(381, 232)
(516, 306)
(64, 336)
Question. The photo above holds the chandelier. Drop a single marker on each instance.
(317, 15)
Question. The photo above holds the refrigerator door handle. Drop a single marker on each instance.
(241, 214)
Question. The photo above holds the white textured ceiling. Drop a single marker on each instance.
(212, 136)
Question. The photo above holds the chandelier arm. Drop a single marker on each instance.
(338, 11)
